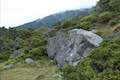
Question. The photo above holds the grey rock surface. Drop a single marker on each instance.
(8, 66)
(29, 60)
(69, 47)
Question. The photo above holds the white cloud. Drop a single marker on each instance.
(16, 12)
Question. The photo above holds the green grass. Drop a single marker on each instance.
(40, 70)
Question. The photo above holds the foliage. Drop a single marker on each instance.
(115, 5)
(113, 22)
(103, 5)
(108, 5)
(91, 18)
(105, 17)
(28, 40)
(67, 69)
(87, 22)
(86, 25)
(4, 56)
(67, 24)
(38, 52)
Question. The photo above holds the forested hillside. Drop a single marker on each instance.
(50, 20)
(103, 63)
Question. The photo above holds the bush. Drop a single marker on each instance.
(109, 75)
(105, 17)
(86, 25)
(4, 57)
(113, 22)
(38, 52)
(90, 18)
(68, 23)
(103, 5)
(67, 69)
(108, 5)
(36, 41)
(115, 5)
(108, 53)
(87, 22)
(35, 53)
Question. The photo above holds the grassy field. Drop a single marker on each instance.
(40, 70)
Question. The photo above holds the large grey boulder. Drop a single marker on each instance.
(69, 47)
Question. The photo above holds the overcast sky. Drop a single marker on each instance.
(16, 12)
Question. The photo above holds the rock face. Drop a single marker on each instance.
(69, 47)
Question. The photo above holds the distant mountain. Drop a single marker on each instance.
(52, 19)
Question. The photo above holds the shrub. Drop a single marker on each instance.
(109, 75)
(38, 52)
(68, 23)
(90, 18)
(113, 22)
(4, 56)
(105, 17)
(108, 53)
(36, 41)
(115, 5)
(103, 5)
(67, 69)
(86, 25)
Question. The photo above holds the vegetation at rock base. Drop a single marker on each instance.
(102, 64)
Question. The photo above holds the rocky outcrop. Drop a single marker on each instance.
(69, 47)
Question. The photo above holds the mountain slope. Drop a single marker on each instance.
(52, 19)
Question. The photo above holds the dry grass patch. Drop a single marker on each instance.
(40, 70)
